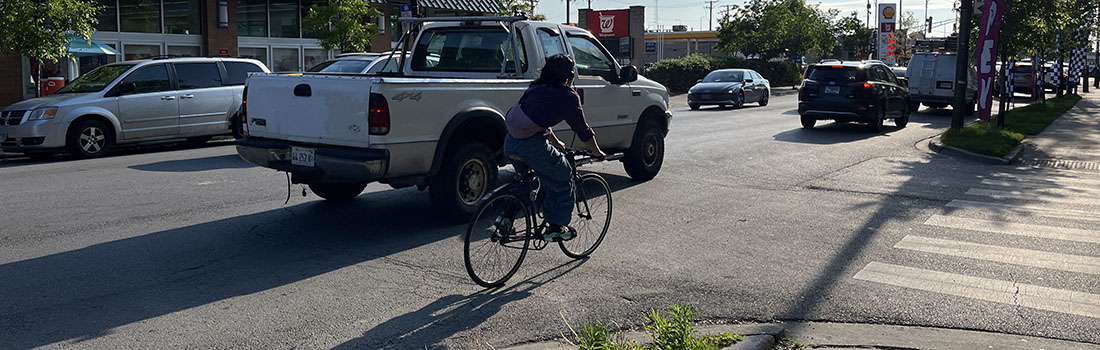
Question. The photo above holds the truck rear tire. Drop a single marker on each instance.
(466, 176)
(647, 152)
(337, 191)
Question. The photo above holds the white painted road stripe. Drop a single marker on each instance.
(1024, 257)
(1056, 179)
(1005, 292)
(1036, 210)
(1032, 185)
(1016, 229)
(1039, 196)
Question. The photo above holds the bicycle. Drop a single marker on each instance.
(503, 223)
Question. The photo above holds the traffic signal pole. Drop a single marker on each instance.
(961, 77)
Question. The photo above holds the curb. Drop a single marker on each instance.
(754, 342)
(1013, 155)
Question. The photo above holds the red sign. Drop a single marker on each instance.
(223, 51)
(887, 27)
(609, 24)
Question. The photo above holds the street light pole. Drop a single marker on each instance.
(961, 65)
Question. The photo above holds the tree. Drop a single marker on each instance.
(38, 29)
(346, 24)
(777, 28)
(907, 27)
(853, 35)
(520, 7)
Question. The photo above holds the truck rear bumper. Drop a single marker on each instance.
(331, 163)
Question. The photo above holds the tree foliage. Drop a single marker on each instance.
(37, 29)
(777, 28)
(520, 7)
(853, 35)
(346, 24)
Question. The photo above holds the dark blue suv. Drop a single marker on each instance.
(864, 92)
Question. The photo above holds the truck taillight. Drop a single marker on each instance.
(378, 115)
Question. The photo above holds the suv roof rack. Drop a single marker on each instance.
(463, 19)
(164, 57)
(830, 60)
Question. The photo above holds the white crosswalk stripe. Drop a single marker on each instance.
(1043, 197)
(1016, 229)
(1005, 292)
(1026, 209)
(1066, 178)
(1025, 257)
(1093, 191)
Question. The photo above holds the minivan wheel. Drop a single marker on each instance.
(465, 177)
(808, 122)
(337, 191)
(89, 139)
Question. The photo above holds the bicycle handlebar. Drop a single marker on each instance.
(587, 156)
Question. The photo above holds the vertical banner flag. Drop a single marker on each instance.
(989, 29)
(887, 40)
(1037, 73)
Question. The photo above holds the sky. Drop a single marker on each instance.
(693, 13)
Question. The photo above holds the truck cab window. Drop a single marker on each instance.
(591, 60)
(467, 50)
(550, 41)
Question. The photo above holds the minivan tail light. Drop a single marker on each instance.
(378, 115)
(243, 113)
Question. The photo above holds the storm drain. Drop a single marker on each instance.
(1061, 164)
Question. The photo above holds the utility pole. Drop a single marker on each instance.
(868, 14)
(567, 12)
(961, 65)
(710, 21)
(726, 11)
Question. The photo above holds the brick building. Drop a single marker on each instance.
(267, 30)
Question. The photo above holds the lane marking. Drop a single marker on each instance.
(1016, 229)
(1026, 209)
(1004, 292)
(1039, 196)
(1016, 256)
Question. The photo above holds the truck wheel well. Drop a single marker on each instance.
(483, 130)
(654, 114)
(100, 118)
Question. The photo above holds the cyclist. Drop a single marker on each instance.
(549, 100)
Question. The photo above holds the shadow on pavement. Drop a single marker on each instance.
(228, 161)
(833, 133)
(8, 160)
(445, 317)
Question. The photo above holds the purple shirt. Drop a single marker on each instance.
(543, 106)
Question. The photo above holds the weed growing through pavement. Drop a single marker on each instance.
(672, 330)
(789, 344)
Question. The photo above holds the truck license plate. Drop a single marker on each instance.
(302, 156)
(833, 90)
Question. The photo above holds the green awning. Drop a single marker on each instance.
(78, 47)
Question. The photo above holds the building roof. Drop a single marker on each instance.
(485, 6)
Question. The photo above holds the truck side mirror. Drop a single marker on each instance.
(628, 74)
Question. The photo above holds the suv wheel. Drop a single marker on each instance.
(467, 175)
(808, 122)
(647, 152)
(89, 139)
(693, 107)
(903, 120)
(914, 107)
(337, 191)
(876, 123)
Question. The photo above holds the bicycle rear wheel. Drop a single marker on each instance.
(497, 241)
(593, 216)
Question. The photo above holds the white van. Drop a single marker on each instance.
(931, 81)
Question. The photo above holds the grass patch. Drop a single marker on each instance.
(984, 137)
(672, 330)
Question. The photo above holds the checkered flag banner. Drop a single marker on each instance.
(1055, 75)
(1009, 78)
(1076, 60)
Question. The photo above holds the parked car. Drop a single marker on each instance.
(898, 71)
(439, 124)
(1023, 78)
(729, 87)
(932, 81)
(358, 63)
(128, 102)
(853, 92)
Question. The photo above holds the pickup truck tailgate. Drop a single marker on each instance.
(309, 108)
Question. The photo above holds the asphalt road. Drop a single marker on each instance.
(752, 219)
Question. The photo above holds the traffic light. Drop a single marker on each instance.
(929, 22)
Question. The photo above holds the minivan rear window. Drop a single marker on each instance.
(841, 75)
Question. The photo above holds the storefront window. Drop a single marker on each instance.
(182, 17)
(256, 53)
(107, 16)
(252, 18)
(395, 27)
(184, 51)
(137, 52)
(284, 60)
(284, 18)
(306, 4)
(142, 16)
(314, 56)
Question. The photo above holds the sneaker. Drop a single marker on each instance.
(556, 233)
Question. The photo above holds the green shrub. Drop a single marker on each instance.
(984, 137)
(679, 74)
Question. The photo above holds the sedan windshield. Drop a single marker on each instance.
(341, 66)
(96, 80)
(724, 77)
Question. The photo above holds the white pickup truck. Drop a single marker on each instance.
(438, 123)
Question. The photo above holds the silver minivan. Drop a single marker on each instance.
(128, 102)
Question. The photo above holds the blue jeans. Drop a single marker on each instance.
(555, 175)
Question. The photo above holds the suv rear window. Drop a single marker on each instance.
(1022, 69)
(237, 72)
(341, 66)
(841, 75)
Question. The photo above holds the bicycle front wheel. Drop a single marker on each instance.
(592, 216)
(497, 241)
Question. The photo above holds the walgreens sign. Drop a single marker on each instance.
(609, 24)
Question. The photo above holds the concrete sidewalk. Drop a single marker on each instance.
(1071, 142)
(828, 335)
